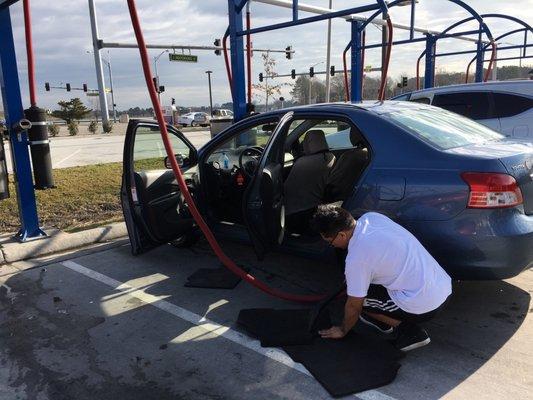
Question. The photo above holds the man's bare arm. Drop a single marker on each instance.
(352, 310)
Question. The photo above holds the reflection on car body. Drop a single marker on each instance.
(447, 179)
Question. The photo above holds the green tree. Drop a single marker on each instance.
(300, 90)
(93, 127)
(74, 109)
(73, 128)
(266, 87)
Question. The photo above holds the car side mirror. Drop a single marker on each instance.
(180, 159)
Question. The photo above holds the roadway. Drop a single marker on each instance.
(94, 149)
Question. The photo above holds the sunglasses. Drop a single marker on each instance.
(330, 242)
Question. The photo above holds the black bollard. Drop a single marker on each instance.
(40, 148)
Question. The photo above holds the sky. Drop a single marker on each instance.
(62, 39)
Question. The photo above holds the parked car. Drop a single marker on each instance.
(505, 106)
(464, 190)
(194, 119)
(222, 113)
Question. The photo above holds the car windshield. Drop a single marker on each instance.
(443, 129)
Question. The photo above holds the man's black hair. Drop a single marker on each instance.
(329, 220)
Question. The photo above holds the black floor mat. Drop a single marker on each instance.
(213, 278)
(350, 365)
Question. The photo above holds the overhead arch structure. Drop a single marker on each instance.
(430, 37)
(525, 29)
(431, 54)
(237, 34)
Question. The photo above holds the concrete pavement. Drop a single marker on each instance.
(104, 324)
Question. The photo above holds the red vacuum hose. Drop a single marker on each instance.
(29, 52)
(491, 62)
(226, 61)
(181, 182)
(418, 73)
(346, 87)
(385, 67)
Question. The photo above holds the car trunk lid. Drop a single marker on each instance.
(517, 158)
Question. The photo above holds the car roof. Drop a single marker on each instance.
(522, 86)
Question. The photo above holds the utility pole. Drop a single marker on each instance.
(210, 94)
(328, 57)
(108, 62)
(156, 58)
(98, 64)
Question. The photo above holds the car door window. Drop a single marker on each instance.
(507, 105)
(474, 105)
(336, 132)
(149, 151)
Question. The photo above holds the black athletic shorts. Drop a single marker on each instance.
(378, 301)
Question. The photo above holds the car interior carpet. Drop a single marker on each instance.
(344, 366)
(213, 278)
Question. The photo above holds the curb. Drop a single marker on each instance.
(59, 241)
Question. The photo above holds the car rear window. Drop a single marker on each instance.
(443, 129)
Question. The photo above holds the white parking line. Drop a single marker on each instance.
(67, 158)
(204, 323)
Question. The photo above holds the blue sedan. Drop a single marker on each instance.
(465, 191)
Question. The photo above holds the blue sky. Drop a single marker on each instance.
(62, 38)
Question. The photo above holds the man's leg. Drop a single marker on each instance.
(384, 318)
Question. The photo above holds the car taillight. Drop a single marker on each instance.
(492, 190)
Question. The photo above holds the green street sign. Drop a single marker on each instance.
(182, 57)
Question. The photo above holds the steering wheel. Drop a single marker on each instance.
(254, 153)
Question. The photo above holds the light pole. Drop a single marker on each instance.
(108, 64)
(328, 57)
(156, 58)
(210, 95)
(310, 79)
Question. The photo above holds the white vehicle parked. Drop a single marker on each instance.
(194, 119)
(505, 106)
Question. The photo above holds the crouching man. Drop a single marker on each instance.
(392, 281)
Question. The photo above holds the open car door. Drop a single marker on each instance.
(264, 211)
(153, 206)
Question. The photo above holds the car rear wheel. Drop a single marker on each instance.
(194, 123)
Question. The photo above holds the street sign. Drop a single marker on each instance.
(93, 94)
(182, 57)
(368, 68)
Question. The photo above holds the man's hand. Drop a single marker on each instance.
(335, 332)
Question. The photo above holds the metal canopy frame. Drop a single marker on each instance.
(237, 34)
(482, 46)
(430, 38)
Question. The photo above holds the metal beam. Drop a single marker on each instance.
(356, 91)
(322, 10)
(111, 45)
(237, 61)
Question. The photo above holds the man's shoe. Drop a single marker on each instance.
(380, 326)
(410, 336)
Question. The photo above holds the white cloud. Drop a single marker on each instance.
(62, 37)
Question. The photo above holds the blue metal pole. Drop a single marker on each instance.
(480, 56)
(237, 61)
(429, 75)
(357, 72)
(295, 10)
(9, 82)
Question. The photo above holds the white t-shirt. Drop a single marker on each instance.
(384, 253)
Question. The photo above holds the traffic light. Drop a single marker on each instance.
(47, 86)
(68, 87)
(217, 44)
(293, 74)
(332, 70)
(161, 89)
(172, 101)
(260, 77)
(85, 87)
(311, 72)
(156, 82)
(288, 52)
(404, 81)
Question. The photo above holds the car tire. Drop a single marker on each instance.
(194, 124)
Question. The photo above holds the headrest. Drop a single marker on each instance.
(355, 136)
(315, 142)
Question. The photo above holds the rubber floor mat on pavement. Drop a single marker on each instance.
(213, 278)
(344, 366)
